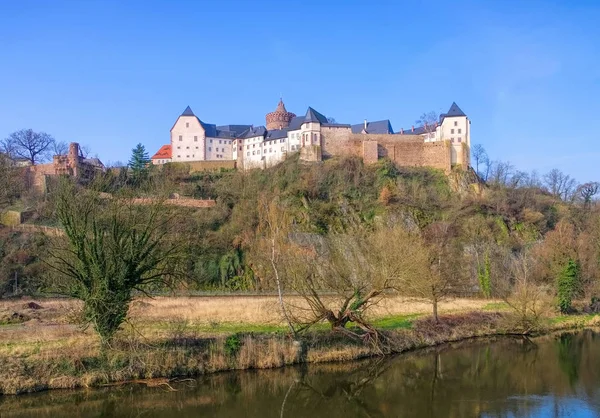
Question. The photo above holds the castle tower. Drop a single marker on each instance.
(73, 158)
(280, 118)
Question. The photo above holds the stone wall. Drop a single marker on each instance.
(311, 153)
(337, 142)
(196, 166)
(370, 152)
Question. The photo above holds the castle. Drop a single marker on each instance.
(72, 164)
(441, 144)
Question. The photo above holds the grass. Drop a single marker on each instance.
(496, 306)
(167, 337)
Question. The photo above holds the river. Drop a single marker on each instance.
(551, 376)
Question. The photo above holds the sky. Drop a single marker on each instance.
(111, 74)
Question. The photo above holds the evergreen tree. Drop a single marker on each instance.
(567, 283)
(139, 163)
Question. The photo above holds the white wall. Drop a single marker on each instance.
(219, 149)
(187, 140)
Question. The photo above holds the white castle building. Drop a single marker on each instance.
(285, 133)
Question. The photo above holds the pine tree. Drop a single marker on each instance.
(567, 283)
(139, 163)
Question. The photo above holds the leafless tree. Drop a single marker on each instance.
(500, 173)
(587, 191)
(60, 148)
(480, 158)
(34, 146)
(428, 121)
(560, 184)
(85, 151)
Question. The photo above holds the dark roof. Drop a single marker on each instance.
(210, 129)
(313, 116)
(418, 131)
(188, 112)
(252, 132)
(276, 134)
(237, 130)
(295, 123)
(377, 127)
(454, 111)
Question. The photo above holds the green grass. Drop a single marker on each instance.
(396, 322)
(567, 318)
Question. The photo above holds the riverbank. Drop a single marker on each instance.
(41, 350)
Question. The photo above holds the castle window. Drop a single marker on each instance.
(180, 138)
(179, 156)
(459, 131)
(282, 149)
(187, 125)
(195, 139)
(247, 146)
(187, 156)
(248, 153)
(452, 139)
(270, 149)
(240, 148)
(178, 147)
(187, 147)
(459, 139)
(222, 149)
(211, 141)
(196, 147)
(451, 131)
(209, 149)
(253, 152)
(455, 123)
(220, 141)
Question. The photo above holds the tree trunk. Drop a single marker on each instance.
(435, 311)
(279, 291)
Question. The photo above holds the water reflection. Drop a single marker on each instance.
(554, 376)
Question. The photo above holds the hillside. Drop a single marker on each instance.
(332, 197)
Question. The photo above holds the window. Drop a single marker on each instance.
(211, 141)
(195, 139)
(179, 156)
(247, 146)
(222, 149)
(452, 139)
(282, 149)
(193, 155)
(253, 152)
(196, 147)
(459, 131)
(178, 147)
(459, 139)
(220, 142)
(209, 149)
(455, 123)
(187, 125)
(253, 145)
(270, 149)
(248, 153)
(187, 156)
(187, 147)
(229, 142)
(240, 148)
(180, 138)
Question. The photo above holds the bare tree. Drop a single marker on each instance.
(85, 151)
(429, 122)
(60, 148)
(10, 179)
(480, 158)
(500, 173)
(560, 185)
(587, 191)
(34, 146)
(440, 266)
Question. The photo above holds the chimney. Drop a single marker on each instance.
(365, 124)
(401, 131)
(412, 129)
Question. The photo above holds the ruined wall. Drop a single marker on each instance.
(370, 152)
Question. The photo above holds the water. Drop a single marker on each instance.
(553, 376)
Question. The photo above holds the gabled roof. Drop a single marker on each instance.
(377, 127)
(454, 111)
(236, 130)
(313, 116)
(296, 123)
(252, 132)
(188, 112)
(276, 134)
(163, 153)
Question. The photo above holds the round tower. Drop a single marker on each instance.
(280, 118)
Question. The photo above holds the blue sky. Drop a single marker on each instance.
(110, 74)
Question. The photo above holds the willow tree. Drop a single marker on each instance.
(110, 249)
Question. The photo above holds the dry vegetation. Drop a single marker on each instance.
(186, 336)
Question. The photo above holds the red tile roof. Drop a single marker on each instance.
(163, 153)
